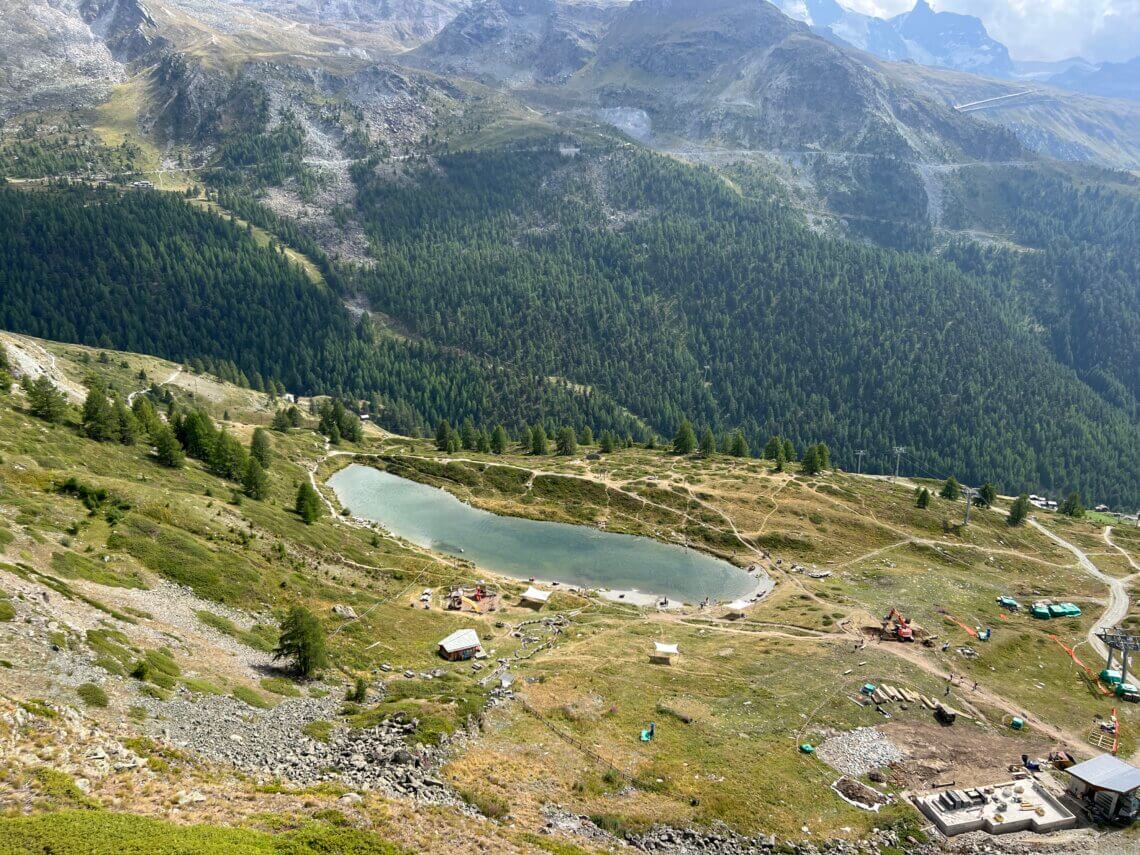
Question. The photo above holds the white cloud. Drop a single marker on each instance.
(1042, 29)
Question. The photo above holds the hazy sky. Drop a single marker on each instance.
(1042, 29)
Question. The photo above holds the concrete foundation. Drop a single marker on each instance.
(1000, 809)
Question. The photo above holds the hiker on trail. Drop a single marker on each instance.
(975, 686)
(946, 694)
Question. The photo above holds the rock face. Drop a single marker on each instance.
(742, 72)
(51, 58)
(939, 39)
(125, 26)
(1110, 80)
(518, 42)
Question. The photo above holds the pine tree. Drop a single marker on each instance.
(126, 424)
(986, 495)
(443, 435)
(824, 455)
(5, 371)
(810, 464)
(789, 451)
(227, 457)
(739, 447)
(260, 448)
(254, 482)
(922, 497)
(951, 490)
(302, 641)
(538, 442)
(98, 416)
(586, 436)
(280, 422)
(467, 435)
(1072, 506)
(145, 413)
(567, 442)
(500, 442)
(1019, 510)
(167, 448)
(685, 440)
(482, 442)
(308, 504)
(44, 400)
(781, 460)
(774, 446)
(607, 443)
(708, 442)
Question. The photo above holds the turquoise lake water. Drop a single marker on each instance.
(522, 548)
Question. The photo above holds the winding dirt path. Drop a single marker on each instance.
(1117, 593)
(1107, 535)
(173, 376)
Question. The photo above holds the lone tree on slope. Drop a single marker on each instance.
(302, 641)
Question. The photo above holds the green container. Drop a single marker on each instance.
(807, 748)
(1017, 723)
(1123, 689)
(1041, 612)
(868, 688)
(1111, 677)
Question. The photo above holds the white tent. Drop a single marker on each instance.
(736, 608)
(663, 653)
(534, 595)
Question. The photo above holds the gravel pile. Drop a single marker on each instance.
(859, 751)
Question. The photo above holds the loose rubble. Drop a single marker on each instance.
(859, 751)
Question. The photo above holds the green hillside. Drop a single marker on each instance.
(676, 294)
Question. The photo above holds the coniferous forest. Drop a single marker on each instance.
(616, 289)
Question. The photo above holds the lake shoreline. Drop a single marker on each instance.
(522, 549)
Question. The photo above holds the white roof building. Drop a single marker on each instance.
(460, 640)
(534, 595)
(1107, 773)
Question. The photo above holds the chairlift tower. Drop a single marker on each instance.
(1124, 642)
(899, 451)
(969, 492)
(859, 465)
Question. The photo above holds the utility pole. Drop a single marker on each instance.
(899, 450)
(859, 466)
(970, 493)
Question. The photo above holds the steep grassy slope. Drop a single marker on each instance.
(151, 272)
(729, 713)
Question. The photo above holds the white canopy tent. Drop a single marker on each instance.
(663, 653)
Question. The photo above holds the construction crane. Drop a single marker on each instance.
(897, 627)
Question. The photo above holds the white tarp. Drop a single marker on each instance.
(665, 649)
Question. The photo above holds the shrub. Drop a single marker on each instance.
(92, 695)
